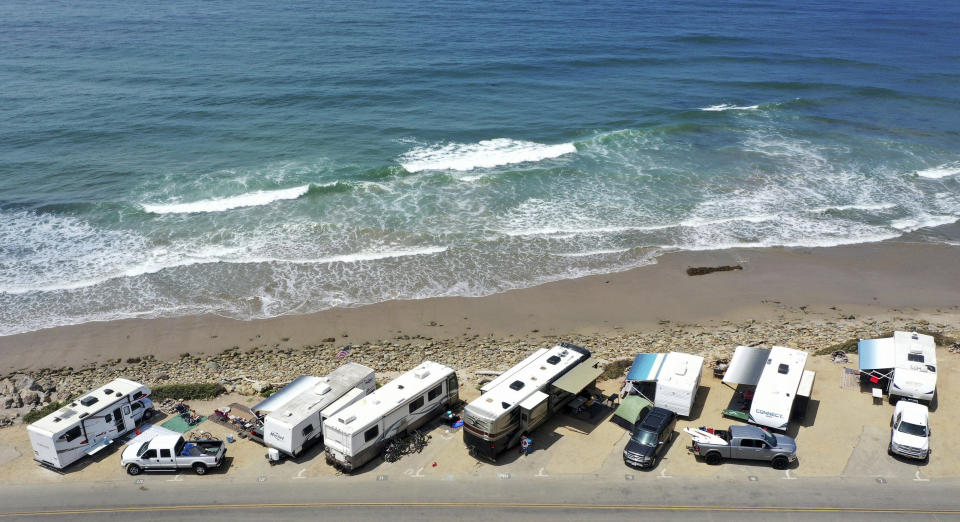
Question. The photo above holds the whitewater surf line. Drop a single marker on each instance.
(250, 199)
(483, 154)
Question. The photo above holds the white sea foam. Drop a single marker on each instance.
(910, 224)
(484, 154)
(877, 206)
(579, 231)
(940, 171)
(703, 221)
(594, 252)
(251, 199)
(728, 107)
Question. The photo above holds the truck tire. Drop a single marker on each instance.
(147, 413)
(713, 458)
(780, 462)
(200, 468)
(133, 469)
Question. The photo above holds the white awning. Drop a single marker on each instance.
(746, 365)
(876, 354)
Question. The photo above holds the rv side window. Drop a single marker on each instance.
(165, 454)
(915, 357)
(416, 405)
(72, 434)
(452, 383)
(434, 393)
(308, 429)
(371, 434)
(108, 418)
(136, 406)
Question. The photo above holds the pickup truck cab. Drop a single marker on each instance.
(649, 439)
(743, 442)
(910, 436)
(171, 452)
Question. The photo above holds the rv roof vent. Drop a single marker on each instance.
(321, 388)
(516, 385)
(89, 401)
(533, 378)
(82, 415)
(399, 386)
(57, 419)
(108, 391)
(289, 413)
(784, 369)
(349, 419)
(682, 370)
(422, 374)
(564, 352)
(505, 405)
(915, 337)
(553, 359)
(489, 399)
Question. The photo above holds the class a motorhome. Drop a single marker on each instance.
(906, 362)
(89, 423)
(777, 388)
(356, 434)
(520, 399)
(295, 413)
(678, 382)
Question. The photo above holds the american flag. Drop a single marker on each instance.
(343, 353)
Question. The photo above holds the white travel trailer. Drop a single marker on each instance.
(356, 434)
(524, 396)
(777, 388)
(779, 377)
(89, 423)
(678, 382)
(294, 419)
(906, 362)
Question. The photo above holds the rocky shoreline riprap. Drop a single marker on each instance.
(253, 369)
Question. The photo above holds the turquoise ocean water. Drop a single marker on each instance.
(252, 159)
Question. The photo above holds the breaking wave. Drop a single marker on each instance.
(483, 154)
(728, 107)
(941, 171)
(250, 199)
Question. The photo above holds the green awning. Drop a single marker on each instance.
(581, 376)
(630, 409)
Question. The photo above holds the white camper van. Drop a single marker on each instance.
(294, 419)
(519, 400)
(777, 388)
(89, 423)
(678, 382)
(356, 434)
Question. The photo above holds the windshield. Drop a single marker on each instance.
(646, 438)
(143, 448)
(769, 439)
(912, 429)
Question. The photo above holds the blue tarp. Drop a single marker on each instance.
(876, 354)
(646, 366)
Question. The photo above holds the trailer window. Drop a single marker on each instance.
(165, 454)
(417, 404)
(371, 434)
(71, 434)
(434, 393)
(915, 357)
(108, 418)
(136, 406)
(308, 429)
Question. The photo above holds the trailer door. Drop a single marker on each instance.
(118, 419)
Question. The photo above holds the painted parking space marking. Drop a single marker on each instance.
(381, 478)
(261, 479)
(663, 473)
(300, 475)
(628, 476)
(918, 478)
(410, 473)
(753, 478)
(503, 475)
(176, 478)
(881, 480)
(541, 473)
(787, 476)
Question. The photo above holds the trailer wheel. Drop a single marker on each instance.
(713, 458)
(133, 469)
(200, 468)
(780, 462)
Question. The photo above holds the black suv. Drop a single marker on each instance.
(649, 439)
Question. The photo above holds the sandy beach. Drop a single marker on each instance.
(874, 281)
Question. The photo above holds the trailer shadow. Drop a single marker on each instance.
(698, 403)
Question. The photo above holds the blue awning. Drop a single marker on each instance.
(646, 367)
(876, 353)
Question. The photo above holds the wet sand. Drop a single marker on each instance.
(873, 280)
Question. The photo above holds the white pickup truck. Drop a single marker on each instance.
(171, 452)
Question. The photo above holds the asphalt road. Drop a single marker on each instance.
(585, 497)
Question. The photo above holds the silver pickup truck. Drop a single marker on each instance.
(743, 442)
(171, 452)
